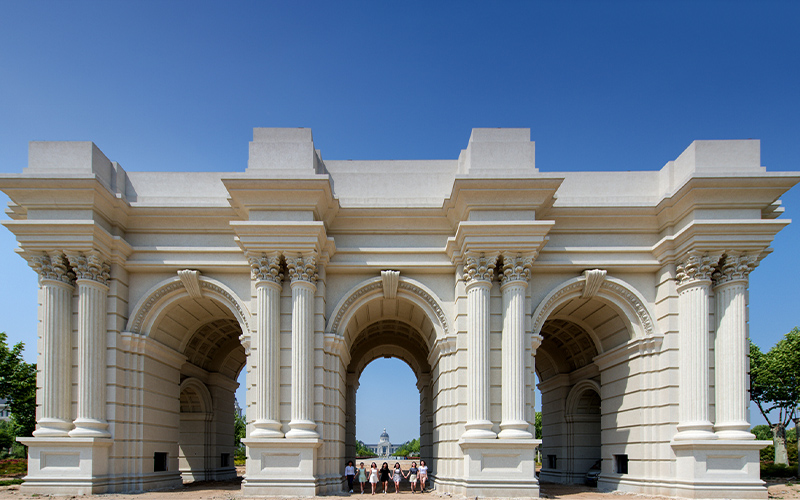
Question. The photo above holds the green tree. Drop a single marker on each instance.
(362, 450)
(409, 448)
(18, 386)
(537, 425)
(775, 385)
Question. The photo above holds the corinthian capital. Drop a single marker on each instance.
(266, 267)
(53, 267)
(90, 267)
(734, 267)
(517, 267)
(302, 268)
(479, 267)
(696, 267)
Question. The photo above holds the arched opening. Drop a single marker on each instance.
(581, 398)
(188, 431)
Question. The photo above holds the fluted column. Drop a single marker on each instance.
(478, 273)
(91, 274)
(731, 348)
(266, 273)
(516, 273)
(303, 275)
(694, 280)
(56, 281)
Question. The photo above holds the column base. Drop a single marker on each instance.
(514, 430)
(281, 467)
(719, 469)
(266, 429)
(737, 431)
(478, 429)
(696, 431)
(500, 468)
(302, 429)
(66, 466)
(90, 428)
(52, 427)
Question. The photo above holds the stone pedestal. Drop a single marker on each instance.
(67, 466)
(500, 468)
(281, 467)
(719, 469)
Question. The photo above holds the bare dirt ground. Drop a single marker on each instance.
(231, 490)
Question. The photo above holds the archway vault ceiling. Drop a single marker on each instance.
(389, 338)
(382, 309)
(184, 317)
(215, 347)
(575, 333)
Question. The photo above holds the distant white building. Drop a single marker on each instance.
(384, 448)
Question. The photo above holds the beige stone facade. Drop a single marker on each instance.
(625, 292)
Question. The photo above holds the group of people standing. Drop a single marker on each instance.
(384, 475)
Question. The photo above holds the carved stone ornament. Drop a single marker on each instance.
(517, 267)
(53, 267)
(734, 268)
(90, 267)
(594, 279)
(302, 268)
(696, 267)
(266, 267)
(479, 267)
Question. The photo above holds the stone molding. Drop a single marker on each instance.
(90, 267)
(53, 266)
(302, 268)
(480, 267)
(594, 280)
(696, 268)
(517, 267)
(191, 281)
(733, 267)
(266, 267)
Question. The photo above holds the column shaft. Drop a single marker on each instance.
(91, 421)
(730, 369)
(56, 359)
(302, 423)
(478, 423)
(267, 423)
(513, 424)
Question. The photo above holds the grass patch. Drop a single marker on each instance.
(239, 461)
(9, 482)
(13, 466)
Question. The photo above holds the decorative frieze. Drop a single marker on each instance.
(302, 268)
(734, 267)
(53, 266)
(266, 267)
(480, 267)
(517, 267)
(696, 267)
(90, 266)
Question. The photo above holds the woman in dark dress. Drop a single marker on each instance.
(386, 475)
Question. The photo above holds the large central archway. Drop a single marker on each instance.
(391, 317)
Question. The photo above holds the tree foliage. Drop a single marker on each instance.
(18, 386)
(363, 451)
(408, 449)
(775, 386)
(537, 425)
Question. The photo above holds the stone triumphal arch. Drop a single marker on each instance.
(623, 293)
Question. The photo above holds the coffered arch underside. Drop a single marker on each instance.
(390, 338)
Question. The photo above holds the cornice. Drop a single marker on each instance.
(488, 237)
(265, 237)
(69, 236)
(470, 194)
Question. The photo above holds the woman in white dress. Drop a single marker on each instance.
(373, 476)
(423, 475)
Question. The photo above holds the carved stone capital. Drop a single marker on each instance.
(517, 267)
(734, 267)
(696, 267)
(53, 267)
(90, 267)
(480, 267)
(266, 267)
(302, 268)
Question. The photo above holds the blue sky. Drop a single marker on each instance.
(179, 85)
